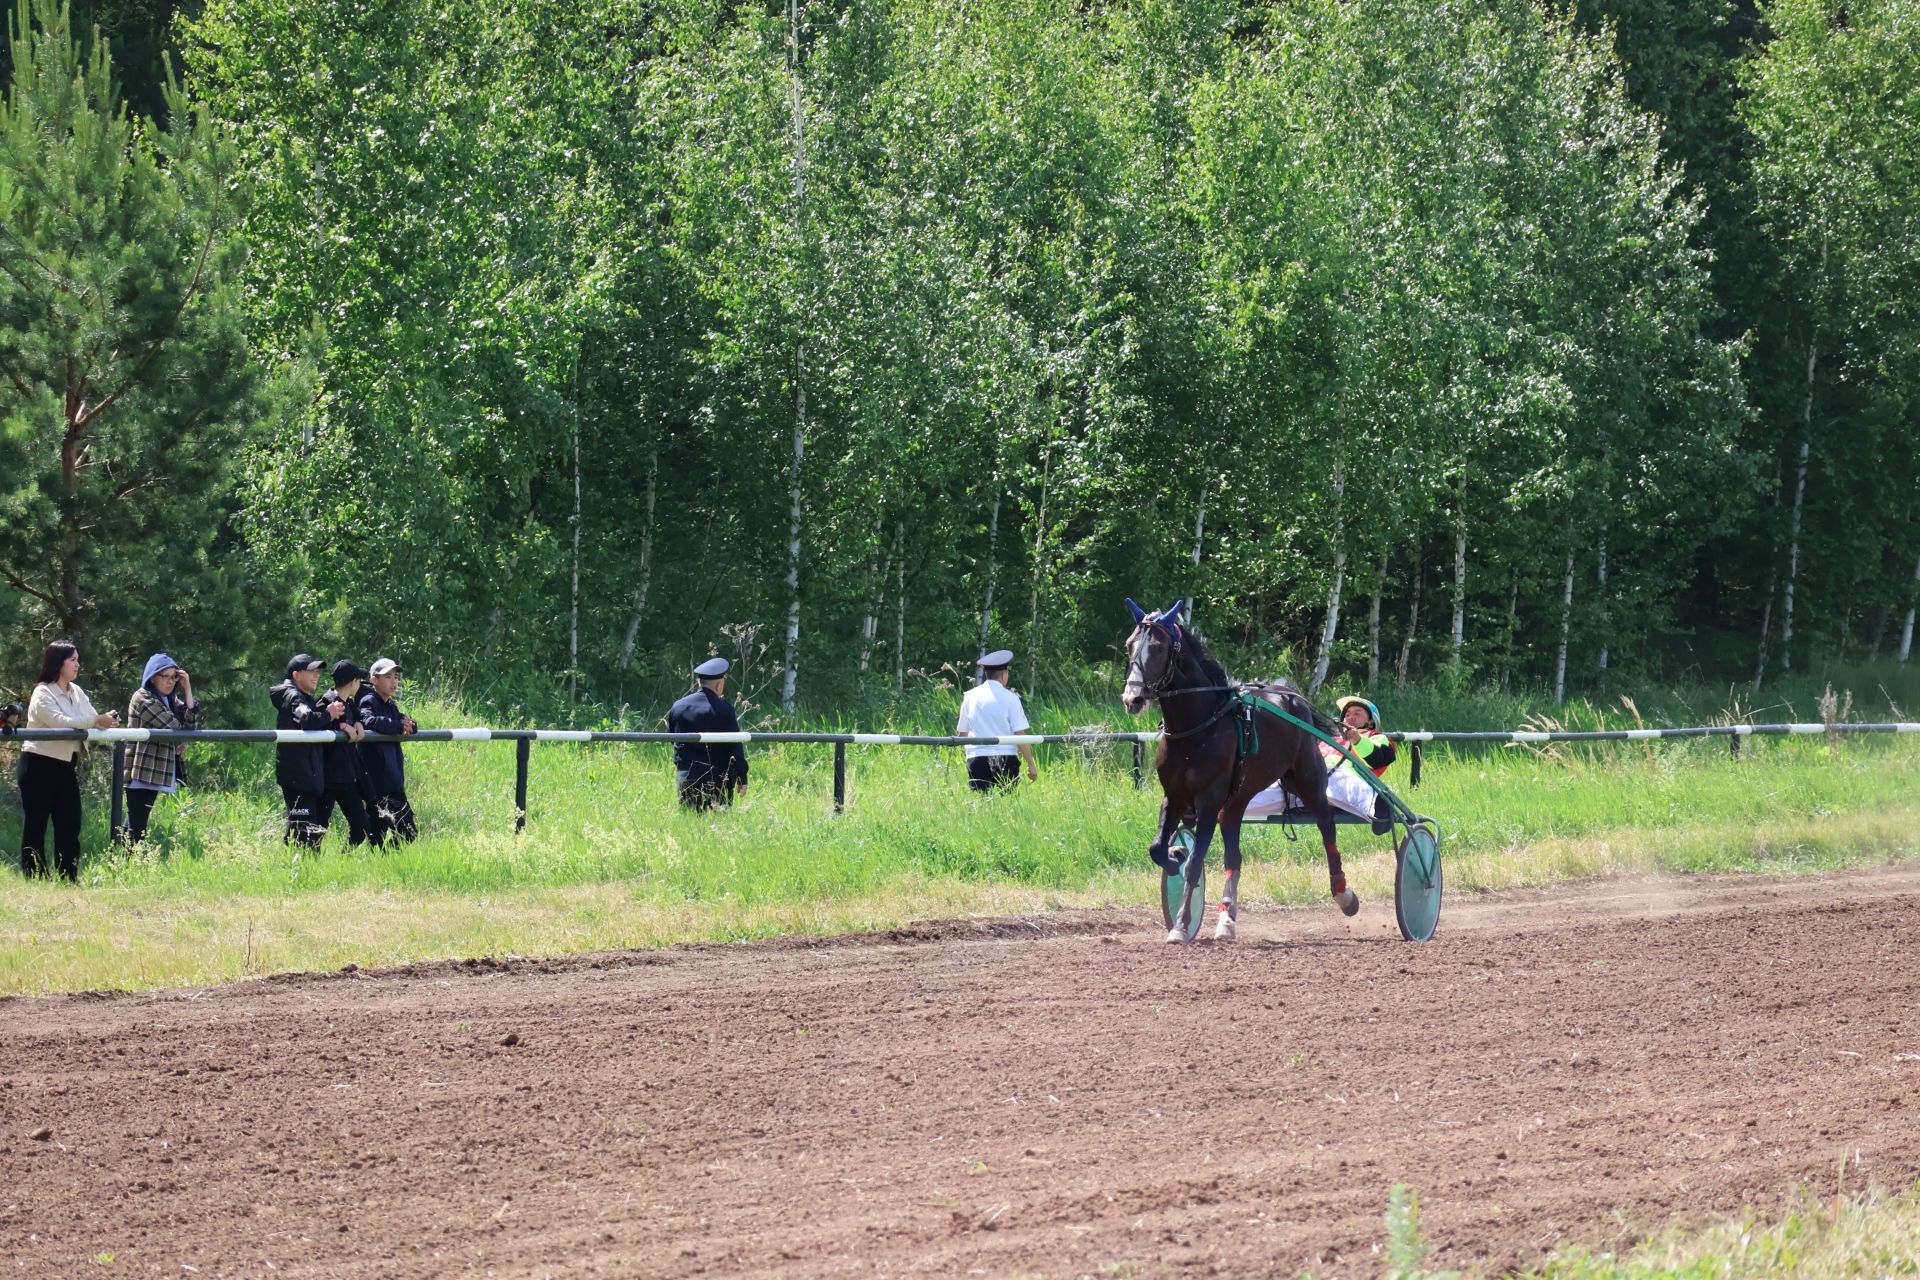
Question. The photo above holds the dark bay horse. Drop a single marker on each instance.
(1204, 776)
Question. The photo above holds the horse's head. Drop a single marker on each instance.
(1153, 655)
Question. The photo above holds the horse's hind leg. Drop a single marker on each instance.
(1226, 926)
(1315, 799)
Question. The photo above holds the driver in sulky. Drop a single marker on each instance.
(1360, 732)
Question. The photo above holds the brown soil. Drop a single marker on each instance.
(1051, 1097)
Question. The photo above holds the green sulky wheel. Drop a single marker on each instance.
(1173, 885)
(1417, 883)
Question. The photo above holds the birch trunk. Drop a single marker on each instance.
(1766, 629)
(1413, 619)
(1373, 622)
(1906, 631)
(1328, 632)
(1039, 570)
(870, 625)
(573, 626)
(1799, 499)
(1460, 573)
(1566, 629)
(646, 572)
(1602, 601)
(993, 565)
(1513, 627)
(900, 616)
(790, 679)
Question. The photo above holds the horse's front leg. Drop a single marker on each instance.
(1194, 868)
(1169, 823)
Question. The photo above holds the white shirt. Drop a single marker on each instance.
(50, 708)
(991, 710)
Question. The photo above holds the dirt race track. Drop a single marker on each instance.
(1051, 1097)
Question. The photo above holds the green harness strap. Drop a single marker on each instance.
(1359, 765)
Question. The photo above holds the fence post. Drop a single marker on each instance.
(1733, 744)
(1139, 762)
(522, 748)
(1413, 776)
(839, 777)
(116, 820)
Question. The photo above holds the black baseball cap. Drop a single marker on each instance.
(346, 671)
(303, 662)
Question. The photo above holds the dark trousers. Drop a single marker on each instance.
(140, 802)
(702, 789)
(393, 816)
(306, 819)
(49, 789)
(353, 808)
(986, 773)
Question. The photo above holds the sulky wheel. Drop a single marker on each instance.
(1417, 883)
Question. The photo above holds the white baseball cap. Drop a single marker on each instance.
(382, 666)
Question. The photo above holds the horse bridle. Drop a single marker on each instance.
(1156, 689)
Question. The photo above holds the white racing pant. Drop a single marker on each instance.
(1345, 789)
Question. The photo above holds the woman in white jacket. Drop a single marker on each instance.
(49, 779)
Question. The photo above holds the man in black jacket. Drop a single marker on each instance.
(300, 767)
(384, 762)
(708, 773)
(346, 779)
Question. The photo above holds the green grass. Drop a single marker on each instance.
(609, 861)
(1870, 1233)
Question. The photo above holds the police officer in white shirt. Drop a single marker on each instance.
(991, 710)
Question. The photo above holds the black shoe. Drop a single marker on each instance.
(1382, 816)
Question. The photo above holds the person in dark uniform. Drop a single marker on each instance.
(347, 785)
(300, 767)
(708, 772)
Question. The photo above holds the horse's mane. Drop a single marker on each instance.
(1202, 651)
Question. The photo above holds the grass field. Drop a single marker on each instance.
(608, 861)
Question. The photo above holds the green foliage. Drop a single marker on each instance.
(126, 388)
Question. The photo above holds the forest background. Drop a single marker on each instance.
(548, 347)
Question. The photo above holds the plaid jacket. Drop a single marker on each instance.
(157, 763)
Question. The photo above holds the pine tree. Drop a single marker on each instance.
(126, 391)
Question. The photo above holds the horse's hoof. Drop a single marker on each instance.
(1348, 902)
(1178, 936)
(1224, 929)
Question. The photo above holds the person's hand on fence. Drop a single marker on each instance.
(336, 709)
(353, 731)
(107, 720)
(407, 725)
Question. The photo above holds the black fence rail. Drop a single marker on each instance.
(523, 740)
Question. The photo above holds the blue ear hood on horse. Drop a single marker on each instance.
(1139, 614)
(1173, 614)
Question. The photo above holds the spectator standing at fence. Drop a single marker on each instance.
(708, 773)
(50, 771)
(164, 700)
(384, 763)
(301, 767)
(991, 710)
(347, 787)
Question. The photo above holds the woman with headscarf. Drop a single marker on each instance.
(49, 776)
(164, 700)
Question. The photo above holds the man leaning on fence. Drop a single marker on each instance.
(300, 767)
(386, 764)
(708, 773)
